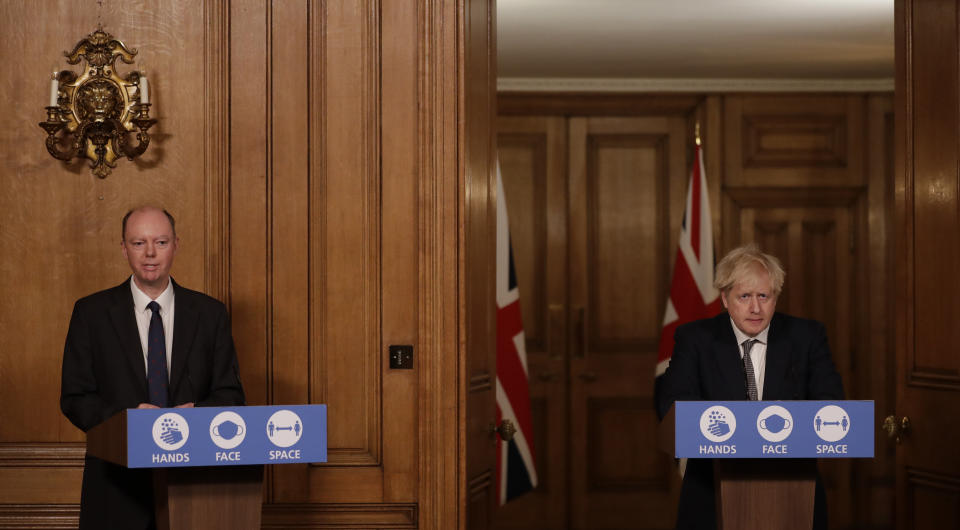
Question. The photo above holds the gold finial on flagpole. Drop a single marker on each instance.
(696, 133)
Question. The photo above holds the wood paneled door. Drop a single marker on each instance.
(816, 242)
(925, 422)
(626, 199)
(592, 203)
(532, 154)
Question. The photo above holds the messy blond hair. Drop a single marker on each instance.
(738, 263)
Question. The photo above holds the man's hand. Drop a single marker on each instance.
(147, 406)
(185, 406)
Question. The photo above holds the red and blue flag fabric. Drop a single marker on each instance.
(515, 470)
(692, 294)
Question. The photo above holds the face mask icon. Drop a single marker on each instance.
(227, 430)
(774, 423)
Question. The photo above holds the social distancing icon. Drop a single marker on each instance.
(284, 428)
(831, 423)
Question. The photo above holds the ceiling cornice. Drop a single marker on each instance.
(638, 85)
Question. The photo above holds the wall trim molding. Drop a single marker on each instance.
(67, 454)
(216, 123)
(385, 515)
(39, 516)
(650, 85)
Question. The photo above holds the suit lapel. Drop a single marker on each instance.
(778, 361)
(125, 325)
(729, 364)
(184, 331)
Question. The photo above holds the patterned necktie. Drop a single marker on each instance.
(748, 369)
(156, 358)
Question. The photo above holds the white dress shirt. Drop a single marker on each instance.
(144, 314)
(758, 354)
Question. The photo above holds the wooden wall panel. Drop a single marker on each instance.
(216, 82)
(628, 190)
(933, 500)
(875, 480)
(532, 155)
(478, 266)
(72, 247)
(614, 463)
(441, 440)
(287, 208)
(401, 245)
(345, 291)
(250, 194)
(626, 185)
(312, 154)
(937, 192)
(525, 155)
(777, 140)
(925, 259)
(816, 247)
(61, 225)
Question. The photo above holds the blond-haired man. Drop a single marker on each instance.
(748, 352)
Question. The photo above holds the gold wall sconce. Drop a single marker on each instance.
(92, 114)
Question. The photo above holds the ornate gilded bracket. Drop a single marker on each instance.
(92, 114)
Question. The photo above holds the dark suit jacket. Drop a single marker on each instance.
(706, 366)
(103, 373)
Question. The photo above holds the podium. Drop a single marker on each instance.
(208, 462)
(765, 452)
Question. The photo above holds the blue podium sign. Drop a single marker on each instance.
(774, 429)
(224, 436)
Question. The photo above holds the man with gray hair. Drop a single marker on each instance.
(146, 343)
(751, 352)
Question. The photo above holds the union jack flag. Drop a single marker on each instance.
(516, 473)
(692, 294)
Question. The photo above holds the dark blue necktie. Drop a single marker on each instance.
(156, 358)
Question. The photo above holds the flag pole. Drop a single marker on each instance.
(696, 133)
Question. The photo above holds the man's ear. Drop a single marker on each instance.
(723, 298)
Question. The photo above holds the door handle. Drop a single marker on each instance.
(896, 429)
(506, 430)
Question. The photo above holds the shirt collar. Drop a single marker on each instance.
(742, 337)
(140, 298)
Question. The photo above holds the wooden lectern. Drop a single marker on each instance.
(756, 494)
(185, 498)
